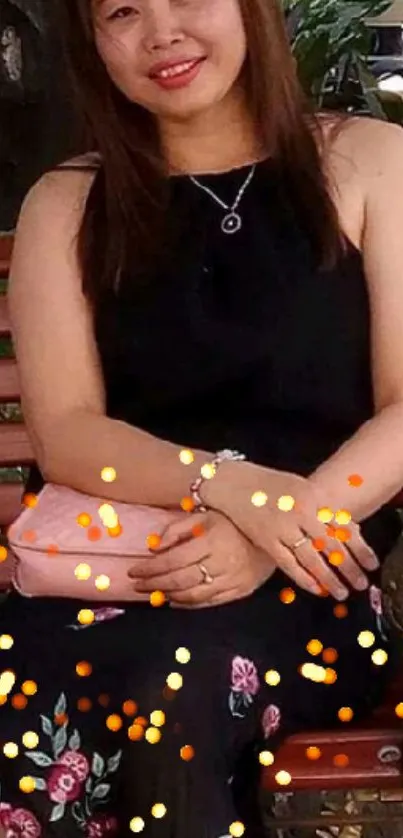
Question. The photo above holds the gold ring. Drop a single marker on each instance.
(299, 543)
(207, 577)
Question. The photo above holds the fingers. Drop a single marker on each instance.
(192, 603)
(183, 555)
(181, 580)
(360, 550)
(287, 561)
(313, 562)
(185, 528)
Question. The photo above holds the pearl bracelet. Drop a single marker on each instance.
(208, 471)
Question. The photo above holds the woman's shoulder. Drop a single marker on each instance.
(63, 189)
(362, 147)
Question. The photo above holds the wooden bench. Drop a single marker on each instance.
(372, 755)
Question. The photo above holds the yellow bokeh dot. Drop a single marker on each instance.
(82, 572)
(153, 735)
(29, 688)
(30, 739)
(3, 553)
(314, 647)
(159, 810)
(6, 642)
(7, 681)
(272, 678)
(186, 457)
(366, 639)
(283, 778)
(175, 681)
(208, 471)
(237, 829)
(345, 714)
(313, 753)
(313, 672)
(10, 750)
(259, 499)
(399, 710)
(86, 617)
(114, 722)
(27, 785)
(342, 517)
(108, 474)
(379, 657)
(157, 599)
(266, 758)
(287, 595)
(324, 515)
(83, 669)
(84, 520)
(157, 718)
(136, 825)
(286, 503)
(102, 582)
(108, 516)
(182, 655)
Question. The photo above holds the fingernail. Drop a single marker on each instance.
(373, 562)
(341, 593)
(361, 583)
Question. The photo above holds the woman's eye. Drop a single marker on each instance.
(122, 13)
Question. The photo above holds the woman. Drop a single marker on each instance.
(220, 274)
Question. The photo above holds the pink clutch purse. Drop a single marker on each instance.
(73, 545)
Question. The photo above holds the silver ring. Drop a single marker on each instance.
(207, 577)
(299, 543)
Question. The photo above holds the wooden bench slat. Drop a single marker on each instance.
(15, 447)
(9, 381)
(10, 503)
(5, 326)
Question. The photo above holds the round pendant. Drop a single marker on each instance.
(231, 223)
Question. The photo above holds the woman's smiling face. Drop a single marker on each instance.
(175, 58)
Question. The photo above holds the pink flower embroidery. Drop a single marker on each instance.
(104, 614)
(19, 823)
(63, 785)
(77, 763)
(101, 826)
(271, 720)
(244, 677)
(375, 598)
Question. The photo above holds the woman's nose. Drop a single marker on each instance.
(161, 26)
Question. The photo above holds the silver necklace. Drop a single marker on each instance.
(232, 222)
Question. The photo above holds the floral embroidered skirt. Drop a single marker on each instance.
(152, 720)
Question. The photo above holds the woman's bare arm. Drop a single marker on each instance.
(63, 395)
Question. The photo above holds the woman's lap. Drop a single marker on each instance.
(86, 773)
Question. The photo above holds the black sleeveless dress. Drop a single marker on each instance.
(240, 342)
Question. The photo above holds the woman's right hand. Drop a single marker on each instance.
(278, 532)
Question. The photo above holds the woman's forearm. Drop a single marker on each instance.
(149, 470)
(375, 454)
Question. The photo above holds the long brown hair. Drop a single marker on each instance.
(125, 210)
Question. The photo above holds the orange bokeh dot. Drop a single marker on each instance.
(94, 533)
(187, 504)
(287, 595)
(323, 591)
(84, 704)
(30, 500)
(399, 710)
(29, 536)
(330, 530)
(29, 687)
(114, 722)
(345, 714)
(340, 611)
(355, 480)
(53, 550)
(84, 519)
(104, 700)
(135, 732)
(342, 534)
(115, 532)
(3, 700)
(141, 720)
(83, 669)
(314, 647)
(336, 558)
(187, 753)
(157, 599)
(61, 719)
(3, 554)
(318, 544)
(19, 701)
(330, 676)
(313, 752)
(198, 530)
(341, 760)
(129, 708)
(153, 541)
(330, 655)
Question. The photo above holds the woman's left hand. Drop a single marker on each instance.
(203, 561)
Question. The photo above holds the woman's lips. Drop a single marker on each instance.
(177, 75)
